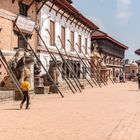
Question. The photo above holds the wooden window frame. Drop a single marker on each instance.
(63, 36)
(72, 41)
(86, 45)
(21, 42)
(52, 32)
(79, 43)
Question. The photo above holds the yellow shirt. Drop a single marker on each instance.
(25, 86)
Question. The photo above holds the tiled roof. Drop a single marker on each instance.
(101, 35)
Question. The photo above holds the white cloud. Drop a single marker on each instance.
(124, 11)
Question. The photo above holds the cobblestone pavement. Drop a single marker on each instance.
(108, 113)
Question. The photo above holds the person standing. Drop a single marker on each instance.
(25, 86)
(138, 75)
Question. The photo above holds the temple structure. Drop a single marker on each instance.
(112, 52)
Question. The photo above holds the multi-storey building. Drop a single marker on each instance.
(65, 24)
(112, 52)
(10, 38)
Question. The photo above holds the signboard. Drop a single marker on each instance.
(25, 24)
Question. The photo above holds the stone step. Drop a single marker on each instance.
(6, 95)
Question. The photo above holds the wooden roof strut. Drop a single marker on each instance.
(63, 14)
(68, 18)
(41, 6)
(58, 11)
(51, 7)
(30, 4)
(72, 21)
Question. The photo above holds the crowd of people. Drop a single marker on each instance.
(123, 77)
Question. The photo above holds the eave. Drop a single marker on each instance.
(75, 13)
(110, 39)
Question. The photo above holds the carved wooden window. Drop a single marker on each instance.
(52, 32)
(63, 36)
(23, 8)
(21, 42)
(72, 41)
(79, 43)
(86, 47)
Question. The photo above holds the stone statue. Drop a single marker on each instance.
(54, 73)
(20, 65)
(95, 55)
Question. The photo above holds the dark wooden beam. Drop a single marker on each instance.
(68, 18)
(58, 11)
(72, 21)
(31, 4)
(79, 25)
(51, 7)
(86, 29)
(63, 14)
(42, 6)
(13, 1)
(76, 23)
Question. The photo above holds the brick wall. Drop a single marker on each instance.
(8, 38)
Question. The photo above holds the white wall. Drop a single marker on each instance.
(46, 16)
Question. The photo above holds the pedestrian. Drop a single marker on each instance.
(138, 75)
(25, 86)
(121, 77)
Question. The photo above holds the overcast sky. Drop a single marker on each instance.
(120, 19)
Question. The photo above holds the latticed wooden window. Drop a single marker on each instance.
(52, 32)
(23, 8)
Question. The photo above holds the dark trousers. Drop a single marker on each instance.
(25, 98)
(138, 84)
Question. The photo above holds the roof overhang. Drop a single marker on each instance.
(103, 35)
(75, 13)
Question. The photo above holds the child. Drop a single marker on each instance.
(25, 86)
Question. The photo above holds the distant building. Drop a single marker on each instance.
(131, 68)
(111, 50)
